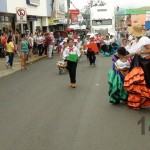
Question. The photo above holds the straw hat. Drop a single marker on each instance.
(137, 30)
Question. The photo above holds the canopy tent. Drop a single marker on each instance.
(132, 11)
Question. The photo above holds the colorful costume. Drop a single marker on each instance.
(137, 82)
(115, 80)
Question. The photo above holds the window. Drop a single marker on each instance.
(102, 22)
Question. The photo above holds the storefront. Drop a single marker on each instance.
(57, 24)
(53, 24)
(7, 22)
(37, 17)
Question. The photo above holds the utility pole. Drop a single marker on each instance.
(68, 17)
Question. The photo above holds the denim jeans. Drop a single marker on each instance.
(40, 48)
(11, 57)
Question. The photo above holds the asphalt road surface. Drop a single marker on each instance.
(39, 111)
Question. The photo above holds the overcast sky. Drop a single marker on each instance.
(121, 3)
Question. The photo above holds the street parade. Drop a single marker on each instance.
(66, 73)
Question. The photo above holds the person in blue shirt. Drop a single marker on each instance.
(24, 48)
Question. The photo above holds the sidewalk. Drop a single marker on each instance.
(16, 64)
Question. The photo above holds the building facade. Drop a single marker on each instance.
(36, 13)
(58, 21)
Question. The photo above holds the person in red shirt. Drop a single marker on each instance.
(4, 42)
(92, 50)
(48, 43)
(75, 35)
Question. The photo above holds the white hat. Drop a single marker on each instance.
(92, 36)
(88, 34)
(75, 40)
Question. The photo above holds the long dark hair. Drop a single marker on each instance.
(9, 39)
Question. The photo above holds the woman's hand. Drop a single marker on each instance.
(116, 68)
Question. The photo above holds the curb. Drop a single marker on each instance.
(28, 62)
(36, 59)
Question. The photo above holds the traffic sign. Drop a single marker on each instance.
(21, 15)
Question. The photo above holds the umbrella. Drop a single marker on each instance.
(69, 29)
(61, 33)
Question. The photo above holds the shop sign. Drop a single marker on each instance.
(33, 2)
(63, 21)
(74, 15)
(21, 15)
(32, 18)
(53, 21)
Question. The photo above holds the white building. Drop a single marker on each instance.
(37, 13)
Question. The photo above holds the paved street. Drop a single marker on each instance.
(39, 111)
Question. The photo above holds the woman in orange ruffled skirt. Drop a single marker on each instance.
(137, 81)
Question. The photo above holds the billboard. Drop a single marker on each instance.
(74, 15)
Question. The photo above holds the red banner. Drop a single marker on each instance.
(74, 15)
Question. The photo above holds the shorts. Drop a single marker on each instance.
(24, 53)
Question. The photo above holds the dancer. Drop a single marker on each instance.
(116, 77)
(71, 54)
(137, 81)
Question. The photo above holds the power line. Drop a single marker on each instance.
(73, 5)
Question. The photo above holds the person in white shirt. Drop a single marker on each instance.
(79, 44)
(136, 86)
(39, 41)
(71, 54)
(63, 47)
(76, 43)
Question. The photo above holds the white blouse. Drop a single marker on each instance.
(122, 65)
(140, 45)
(67, 51)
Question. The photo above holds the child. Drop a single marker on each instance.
(24, 51)
(116, 77)
(122, 64)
